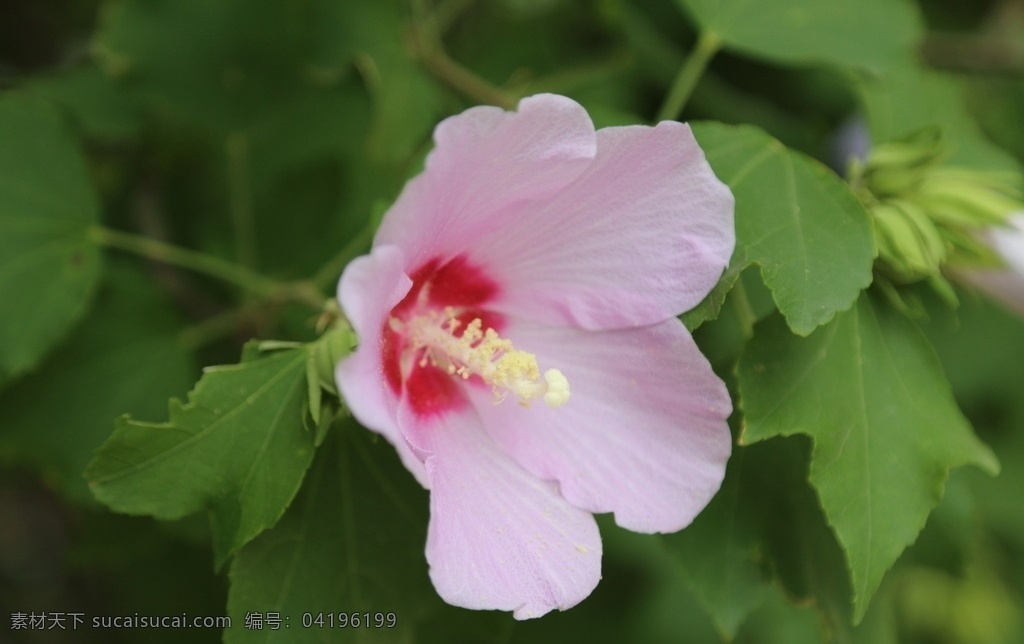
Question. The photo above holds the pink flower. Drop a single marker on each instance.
(532, 258)
(1005, 284)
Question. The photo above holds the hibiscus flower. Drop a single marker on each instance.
(520, 346)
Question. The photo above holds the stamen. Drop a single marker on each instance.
(488, 355)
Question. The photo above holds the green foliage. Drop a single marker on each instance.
(261, 142)
(353, 542)
(124, 358)
(49, 265)
(870, 392)
(794, 218)
(812, 31)
(720, 551)
(93, 100)
(907, 98)
(237, 448)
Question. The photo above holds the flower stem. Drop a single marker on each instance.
(214, 328)
(462, 80)
(240, 276)
(429, 50)
(691, 71)
(448, 11)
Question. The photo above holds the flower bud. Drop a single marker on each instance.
(928, 217)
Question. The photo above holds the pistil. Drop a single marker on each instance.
(486, 354)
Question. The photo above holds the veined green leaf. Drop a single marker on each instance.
(794, 218)
(870, 392)
(238, 447)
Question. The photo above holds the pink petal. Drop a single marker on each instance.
(500, 538)
(487, 163)
(644, 433)
(1006, 284)
(1009, 243)
(370, 286)
(641, 236)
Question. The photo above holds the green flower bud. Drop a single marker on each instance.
(909, 244)
(898, 167)
(927, 217)
(967, 199)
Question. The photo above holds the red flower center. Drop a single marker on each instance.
(452, 289)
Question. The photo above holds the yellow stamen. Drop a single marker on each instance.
(488, 355)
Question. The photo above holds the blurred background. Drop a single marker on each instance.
(274, 132)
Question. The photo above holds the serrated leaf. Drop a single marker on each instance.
(796, 219)
(869, 390)
(352, 542)
(793, 536)
(237, 448)
(49, 265)
(813, 31)
(803, 551)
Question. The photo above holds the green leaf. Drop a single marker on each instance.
(870, 392)
(272, 68)
(352, 541)
(97, 105)
(796, 219)
(238, 448)
(239, 57)
(124, 358)
(720, 550)
(711, 305)
(907, 98)
(49, 265)
(870, 34)
(982, 349)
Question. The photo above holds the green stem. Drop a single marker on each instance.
(463, 80)
(691, 71)
(213, 328)
(192, 260)
(239, 198)
(429, 50)
(448, 11)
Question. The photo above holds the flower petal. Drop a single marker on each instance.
(500, 538)
(370, 286)
(644, 434)
(1005, 284)
(1009, 243)
(487, 164)
(641, 236)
